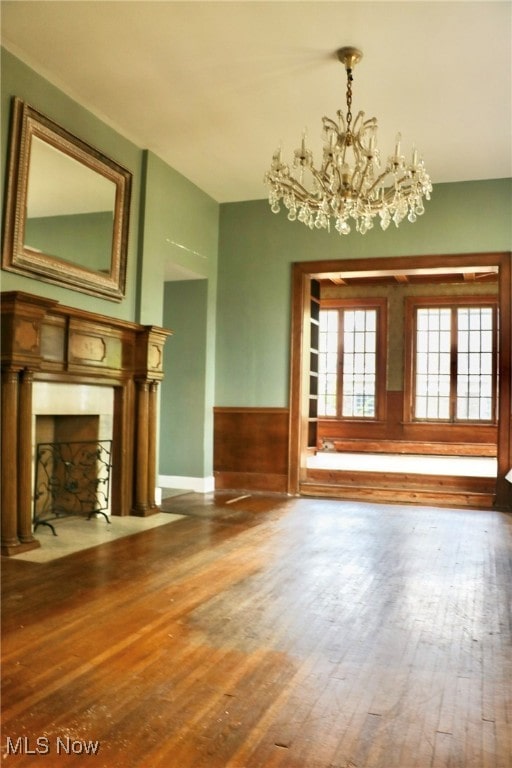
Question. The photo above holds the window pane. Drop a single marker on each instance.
(486, 363)
(444, 363)
(327, 362)
(432, 365)
(359, 342)
(359, 320)
(421, 407)
(371, 341)
(422, 319)
(475, 364)
(486, 319)
(445, 321)
(359, 363)
(486, 341)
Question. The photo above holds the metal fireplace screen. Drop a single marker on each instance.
(71, 478)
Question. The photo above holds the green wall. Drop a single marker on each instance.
(19, 80)
(257, 248)
(180, 228)
(173, 231)
(184, 391)
(180, 231)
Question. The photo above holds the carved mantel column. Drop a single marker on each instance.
(10, 540)
(141, 507)
(149, 372)
(25, 459)
(152, 414)
(22, 318)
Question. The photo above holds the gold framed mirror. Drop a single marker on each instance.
(67, 208)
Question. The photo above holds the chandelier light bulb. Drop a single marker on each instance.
(351, 185)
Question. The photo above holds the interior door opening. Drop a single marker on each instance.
(383, 450)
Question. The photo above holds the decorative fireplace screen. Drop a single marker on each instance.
(71, 478)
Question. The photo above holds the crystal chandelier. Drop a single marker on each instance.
(351, 183)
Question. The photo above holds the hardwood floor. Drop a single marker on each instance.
(266, 632)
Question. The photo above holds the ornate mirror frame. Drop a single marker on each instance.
(109, 283)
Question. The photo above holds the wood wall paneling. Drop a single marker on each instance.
(251, 448)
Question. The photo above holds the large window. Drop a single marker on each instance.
(349, 372)
(454, 360)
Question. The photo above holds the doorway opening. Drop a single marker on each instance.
(384, 447)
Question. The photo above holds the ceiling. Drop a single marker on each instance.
(412, 276)
(213, 88)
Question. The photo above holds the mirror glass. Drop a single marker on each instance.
(72, 220)
(67, 208)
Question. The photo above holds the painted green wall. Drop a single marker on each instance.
(184, 392)
(257, 248)
(180, 228)
(19, 80)
(174, 225)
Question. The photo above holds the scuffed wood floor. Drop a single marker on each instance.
(267, 633)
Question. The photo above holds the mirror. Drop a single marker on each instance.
(67, 208)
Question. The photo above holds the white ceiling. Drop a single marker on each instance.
(213, 87)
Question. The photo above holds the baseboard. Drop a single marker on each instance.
(195, 484)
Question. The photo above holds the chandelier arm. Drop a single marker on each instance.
(339, 185)
(378, 180)
(399, 182)
(325, 181)
(382, 176)
(329, 121)
(297, 189)
(363, 175)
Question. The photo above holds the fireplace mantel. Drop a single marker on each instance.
(43, 340)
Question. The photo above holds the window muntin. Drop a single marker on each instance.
(433, 343)
(475, 363)
(359, 363)
(347, 371)
(328, 363)
(455, 363)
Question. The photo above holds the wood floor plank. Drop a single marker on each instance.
(267, 633)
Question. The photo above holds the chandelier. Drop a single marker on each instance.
(352, 183)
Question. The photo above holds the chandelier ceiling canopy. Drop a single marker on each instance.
(352, 184)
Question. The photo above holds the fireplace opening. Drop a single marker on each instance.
(71, 478)
(57, 429)
(72, 469)
(71, 453)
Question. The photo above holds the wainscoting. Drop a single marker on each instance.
(251, 454)
(251, 449)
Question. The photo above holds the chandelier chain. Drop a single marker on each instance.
(349, 98)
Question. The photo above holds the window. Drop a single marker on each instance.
(349, 373)
(454, 360)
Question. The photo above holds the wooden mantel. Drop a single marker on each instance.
(44, 341)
